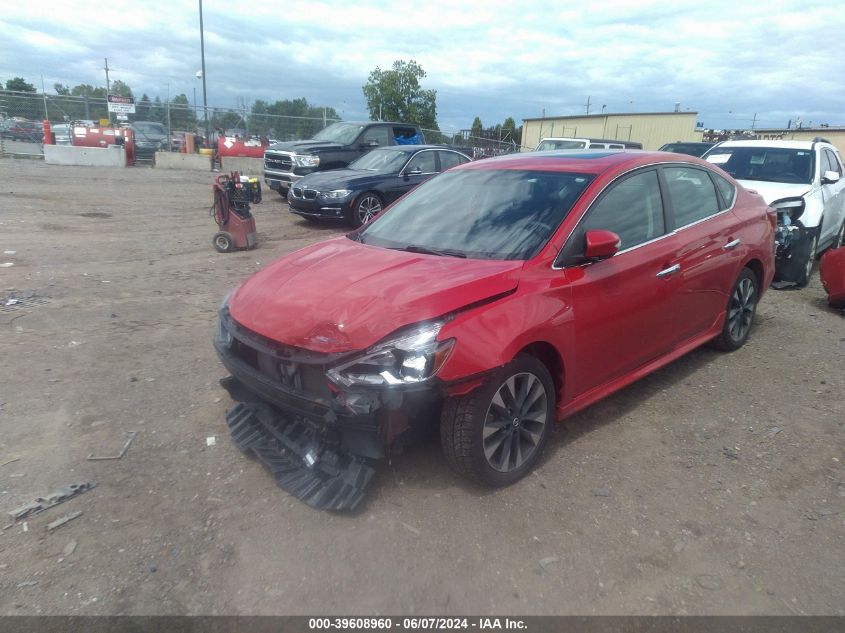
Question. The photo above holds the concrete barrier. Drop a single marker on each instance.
(246, 166)
(112, 156)
(175, 160)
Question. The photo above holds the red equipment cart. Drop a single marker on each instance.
(233, 194)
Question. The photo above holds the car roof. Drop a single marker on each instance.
(753, 143)
(582, 161)
(412, 148)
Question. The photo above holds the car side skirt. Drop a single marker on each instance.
(587, 398)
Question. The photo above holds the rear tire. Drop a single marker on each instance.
(496, 434)
(739, 314)
(223, 242)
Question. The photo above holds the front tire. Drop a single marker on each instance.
(840, 237)
(807, 264)
(496, 434)
(742, 306)
(368, 206)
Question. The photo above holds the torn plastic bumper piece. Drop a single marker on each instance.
(300, 461)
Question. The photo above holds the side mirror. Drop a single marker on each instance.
(415, 171)
(601, 245)
(830, 177)
(369, 145)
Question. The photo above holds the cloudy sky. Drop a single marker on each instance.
(727, 60)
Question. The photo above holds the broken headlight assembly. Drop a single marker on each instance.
(408, 357)
(788, 210)
(790, 207)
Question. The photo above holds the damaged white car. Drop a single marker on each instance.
(803, 182)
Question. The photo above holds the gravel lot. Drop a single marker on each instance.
(715, 486)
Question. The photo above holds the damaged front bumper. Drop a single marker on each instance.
(285, 393)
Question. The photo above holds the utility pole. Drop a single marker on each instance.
(108, 86)
(44, 92)
(754, 121)
(588, 104)
(204, 93)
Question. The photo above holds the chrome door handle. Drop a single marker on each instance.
(666, 272)
(732, 244)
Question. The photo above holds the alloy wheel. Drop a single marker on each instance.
(515, 421)
(368, 208)
(741, 309)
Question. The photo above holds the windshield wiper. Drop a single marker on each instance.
(425, 250)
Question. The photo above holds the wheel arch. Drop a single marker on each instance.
(547, 354)
(756, 267)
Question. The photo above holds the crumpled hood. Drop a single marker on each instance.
(305, 147)
(340, 295)
(771, 191)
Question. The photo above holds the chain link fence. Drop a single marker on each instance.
(22, 115)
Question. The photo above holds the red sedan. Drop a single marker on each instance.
(492, 301)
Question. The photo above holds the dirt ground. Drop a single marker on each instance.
(715, 486)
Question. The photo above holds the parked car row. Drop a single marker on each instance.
(20, 130)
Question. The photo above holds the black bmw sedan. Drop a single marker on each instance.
(369, 184)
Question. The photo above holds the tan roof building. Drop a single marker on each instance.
(652, 129)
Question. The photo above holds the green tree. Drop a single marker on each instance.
(477, 128)
(142, 109)
(396, 95)
(19, 84)
(181, 114)
(61, 89)
(121, 88)
(156, 112)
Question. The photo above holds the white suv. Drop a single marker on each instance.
(802, 181)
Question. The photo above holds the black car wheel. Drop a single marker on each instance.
(807, 264)
(368, 206)
(223, 242)
(496, 434)
(840, 237)
(742, 305)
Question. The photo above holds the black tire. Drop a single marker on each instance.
(839, 240)
(740, 311)
(808, 259)
(223, 242)
(368, 205)
(477, 436)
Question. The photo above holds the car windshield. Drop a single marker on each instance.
(770, 164)
(341, 132)
(691, 149)
(387, 161)
(552, 144)
(482, 214)
(150, 128)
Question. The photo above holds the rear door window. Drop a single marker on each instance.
(451, 159)
(691, 194)
(726, 189)
(832, 161)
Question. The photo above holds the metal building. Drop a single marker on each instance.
(836, 135)
(652, 129)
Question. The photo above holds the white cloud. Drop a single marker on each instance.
(489, 58)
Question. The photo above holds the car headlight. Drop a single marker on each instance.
(793, 207)
(337, 194)
(411, 356)
(306, 160)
